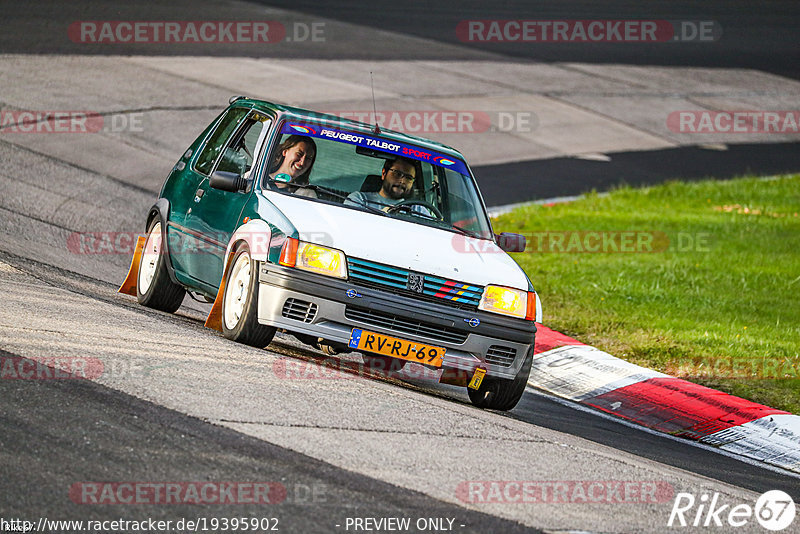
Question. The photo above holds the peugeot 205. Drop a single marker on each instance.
(349, 237)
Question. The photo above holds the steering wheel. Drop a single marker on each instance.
(406, 205)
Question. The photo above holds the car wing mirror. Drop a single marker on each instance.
(511, 242)
(228, 181)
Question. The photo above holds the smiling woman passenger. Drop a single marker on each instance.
(293, 162)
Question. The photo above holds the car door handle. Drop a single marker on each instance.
(199, 194)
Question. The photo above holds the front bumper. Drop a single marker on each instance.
(330, 308)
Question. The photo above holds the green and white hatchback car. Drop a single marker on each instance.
(350, 238)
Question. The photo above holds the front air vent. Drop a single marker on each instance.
(299, 310)
(500, 355)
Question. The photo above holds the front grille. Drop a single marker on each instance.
(397, 280)
(299, 310)
(500, 355)
(405, 325)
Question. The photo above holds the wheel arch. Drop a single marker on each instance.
(257, 234)
(160, 210)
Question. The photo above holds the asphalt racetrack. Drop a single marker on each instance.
(339, 451)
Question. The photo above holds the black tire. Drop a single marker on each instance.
(502, 393)
(161, 293)
(383, 364)
(240, 319)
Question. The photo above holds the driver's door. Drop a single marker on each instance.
(214, 214)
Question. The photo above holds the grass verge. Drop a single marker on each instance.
(698, 280)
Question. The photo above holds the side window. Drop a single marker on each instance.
(216, 143)
(243, 149)
(462, 202)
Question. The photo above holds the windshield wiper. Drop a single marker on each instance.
(409, 208)
(466, 232)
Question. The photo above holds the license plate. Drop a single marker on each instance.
(398, 348)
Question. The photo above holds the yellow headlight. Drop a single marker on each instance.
(321, 260)
(513, 302)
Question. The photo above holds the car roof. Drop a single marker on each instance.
(300, 114)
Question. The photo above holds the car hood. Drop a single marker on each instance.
(401, 243)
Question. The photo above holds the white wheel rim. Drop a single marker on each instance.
(149, 260)
(236, 291)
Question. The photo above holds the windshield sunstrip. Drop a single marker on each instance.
(376, 143)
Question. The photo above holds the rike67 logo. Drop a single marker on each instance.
(774, 510)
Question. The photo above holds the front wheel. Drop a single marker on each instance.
(240, 302)
(502, 393)
(154, 288)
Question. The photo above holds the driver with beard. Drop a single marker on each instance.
(397, 182)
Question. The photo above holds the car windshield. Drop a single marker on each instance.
(348, 169)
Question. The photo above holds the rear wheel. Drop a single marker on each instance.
(154, 288)
(240, 302)
(502, 393)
